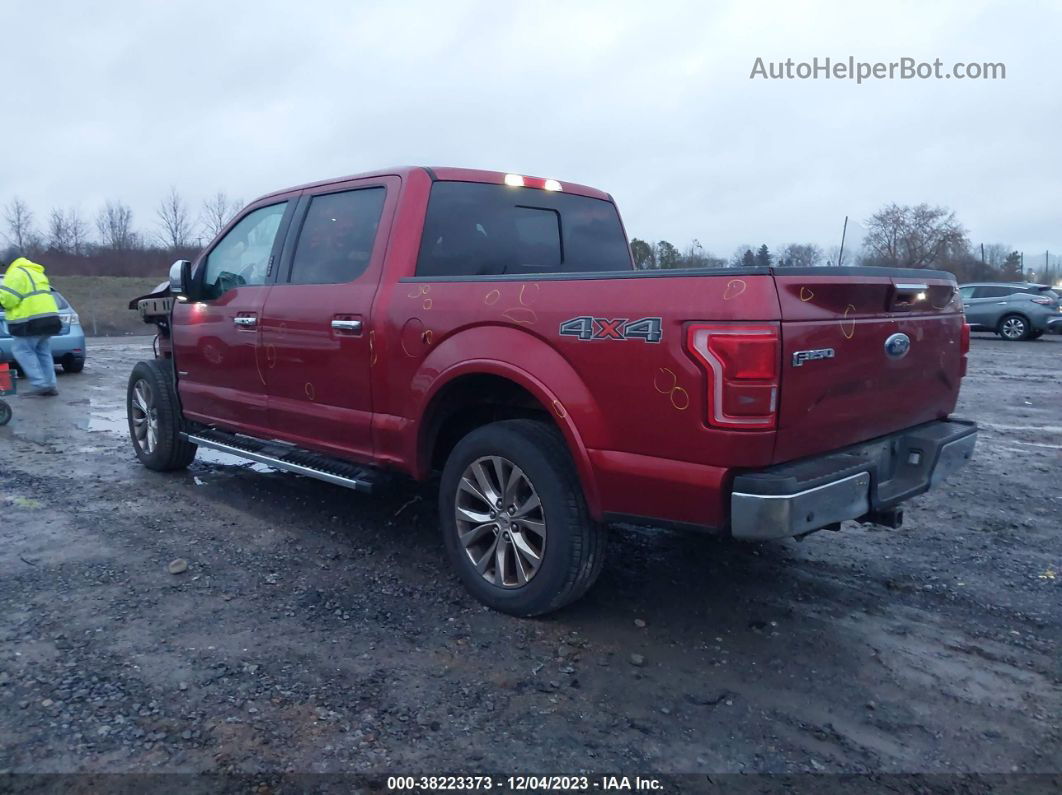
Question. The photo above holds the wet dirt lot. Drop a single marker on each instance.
(319, 630)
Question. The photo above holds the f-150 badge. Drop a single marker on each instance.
(585, 327)
(799, 357)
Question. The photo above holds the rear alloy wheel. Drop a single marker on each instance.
(1014, 328)
(500, 522)
(154, 419)
(514, 520)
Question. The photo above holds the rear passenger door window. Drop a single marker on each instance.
(337, 236)
(995, 291)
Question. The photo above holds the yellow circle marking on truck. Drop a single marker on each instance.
(848, 331)
(734, 288)
(528, 296)
(679, 397)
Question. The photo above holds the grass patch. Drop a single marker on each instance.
(102, 302)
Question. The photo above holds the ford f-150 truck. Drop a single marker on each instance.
(493, 327)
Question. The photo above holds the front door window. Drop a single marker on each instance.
(242, 257)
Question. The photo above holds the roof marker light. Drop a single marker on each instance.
(552, 184)
(514, 180)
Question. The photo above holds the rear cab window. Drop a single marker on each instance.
(476, 229)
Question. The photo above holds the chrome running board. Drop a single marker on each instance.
(299, 462)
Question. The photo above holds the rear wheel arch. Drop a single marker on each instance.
(473, 395)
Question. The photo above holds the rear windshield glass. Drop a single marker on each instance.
(474, 229)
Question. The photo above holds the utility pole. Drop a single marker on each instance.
(844, 231)
(982, 253)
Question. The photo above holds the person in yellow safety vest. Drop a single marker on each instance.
(32, 317)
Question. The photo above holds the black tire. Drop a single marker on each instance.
(5, 412)
(72, 365)
(574, 549)
(169, 451)
(1014, 328)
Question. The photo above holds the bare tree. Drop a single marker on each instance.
(174, 227)
(19, 220)
(801, 255)
(115, 225)
(996, 254)
(58, 231)
(834, 255)
(77, 231)
(912, 237)
(217, 211)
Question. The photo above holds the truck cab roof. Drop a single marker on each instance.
(449, 173)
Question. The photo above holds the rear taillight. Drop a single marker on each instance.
(1044, 301)
(964, 348)
(741, 364)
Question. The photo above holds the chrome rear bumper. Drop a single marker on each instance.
(859, 482)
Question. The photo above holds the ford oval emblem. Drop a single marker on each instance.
(897, 345)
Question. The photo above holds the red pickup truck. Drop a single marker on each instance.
(494, 327)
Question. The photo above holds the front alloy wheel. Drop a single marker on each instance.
(500, 522)
(155, 418)
(144, 417)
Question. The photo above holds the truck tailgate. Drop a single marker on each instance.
(841, 383)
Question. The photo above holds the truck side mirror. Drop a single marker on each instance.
(181, 278)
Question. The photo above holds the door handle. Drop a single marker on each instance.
(347, 325)
(245, 321)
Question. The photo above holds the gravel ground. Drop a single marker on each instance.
(318, 630)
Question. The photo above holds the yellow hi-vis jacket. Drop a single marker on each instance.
(26, 297)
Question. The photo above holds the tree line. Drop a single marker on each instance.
(110, 243)
(899, 236)
(910, 236)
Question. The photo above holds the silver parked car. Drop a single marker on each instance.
(1013, 310)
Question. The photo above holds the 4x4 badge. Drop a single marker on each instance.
(586, 327)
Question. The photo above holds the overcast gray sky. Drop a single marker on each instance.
(650, 101)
